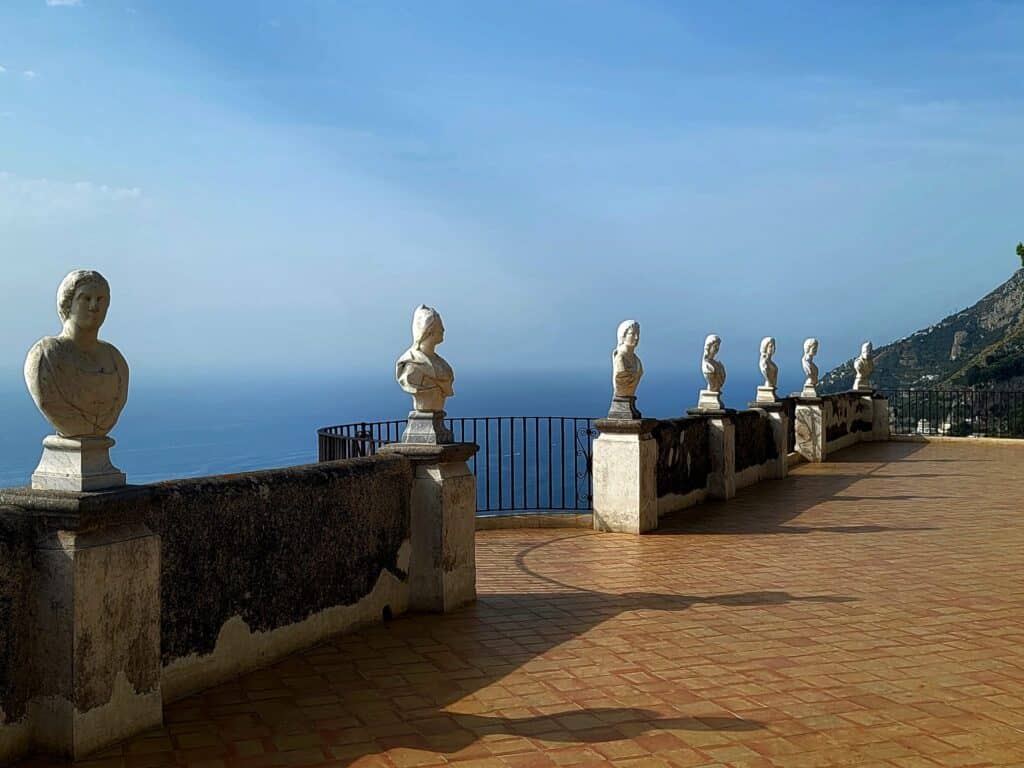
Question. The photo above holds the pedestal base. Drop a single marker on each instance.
(766, 395)
(624, 408)
(625, 476)
(810, 430)
(427, 428)
(76, 464)
(710, 400)
(442, 566)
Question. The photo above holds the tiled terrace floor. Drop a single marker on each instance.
(868, 611)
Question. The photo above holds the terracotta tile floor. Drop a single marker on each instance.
(868, 611)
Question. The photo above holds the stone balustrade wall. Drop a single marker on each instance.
(847, 418)
(684, 462)
(756, 446)
(158, 591)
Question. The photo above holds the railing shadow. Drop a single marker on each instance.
(769, 507)
(487, 654)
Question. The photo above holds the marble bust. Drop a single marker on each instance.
(627, 370)
(80, 384)
(766, 393)
(810, 369)
(426, 376)
(864, 366)
(714, 374)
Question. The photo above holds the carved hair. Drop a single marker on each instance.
(70, 284)
(624, 328)
(765, 343)
(866, 348)
(809, 345)
(423, 321)
(711, 339)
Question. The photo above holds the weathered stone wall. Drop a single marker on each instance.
(247, 554)
(684, 462)
(846, 416)
(755, 442)
(15, 629)
(161, 590)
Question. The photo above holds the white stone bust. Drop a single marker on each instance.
(713, 370)
(78, 381)
(810, 368)
(769, 369)
(422, 372)
(864, 366)
(627, 369)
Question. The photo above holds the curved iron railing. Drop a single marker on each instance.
(525, 463)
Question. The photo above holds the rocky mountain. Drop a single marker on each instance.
(980, 347)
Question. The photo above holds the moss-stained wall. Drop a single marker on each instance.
(845, 414)
(755, 442)
(684, 456)
(275, 547)
(15, 614)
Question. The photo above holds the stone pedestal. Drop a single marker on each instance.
(442, 565)
(722, 445)
(427, 428)
(880, 426)
(765, 395)
(776, 414)
(810, 428)
(96, 592)
(625, 480)
(623, 408)
(76, 464)
(710, 400)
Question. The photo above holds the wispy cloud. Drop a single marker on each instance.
(30, 74)
(3, 69)
(62, 3)
(30, 197)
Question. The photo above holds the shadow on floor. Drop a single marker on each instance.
(769, 507)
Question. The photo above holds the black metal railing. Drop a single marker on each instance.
(525, 463)
(956, 412)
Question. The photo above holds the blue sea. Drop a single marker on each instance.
(194, 427)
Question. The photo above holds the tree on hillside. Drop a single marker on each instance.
(1020, 252)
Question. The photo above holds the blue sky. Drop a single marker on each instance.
(275, 186)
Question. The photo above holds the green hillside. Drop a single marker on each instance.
(980, 347)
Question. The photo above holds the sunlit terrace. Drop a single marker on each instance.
(868, 610)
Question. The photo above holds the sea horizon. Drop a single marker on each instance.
(192, 426)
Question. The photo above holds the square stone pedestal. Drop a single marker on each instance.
(722, 445)
(96, 624)
(76, 464)
(442, 566)
(776, 414)
(427, 428)
(810, 428)
(880, 426)
(625, 464)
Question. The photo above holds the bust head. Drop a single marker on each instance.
(427, 328)
(711, 346)
(866, 349)
(810, 347)
(628, 333)
(767, 346)
(82, 300)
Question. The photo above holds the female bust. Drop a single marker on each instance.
(769, 369)
(626, 366)
(810, 368)
(713, 369)
(422, 372)
(864, 366)
(79, 382)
